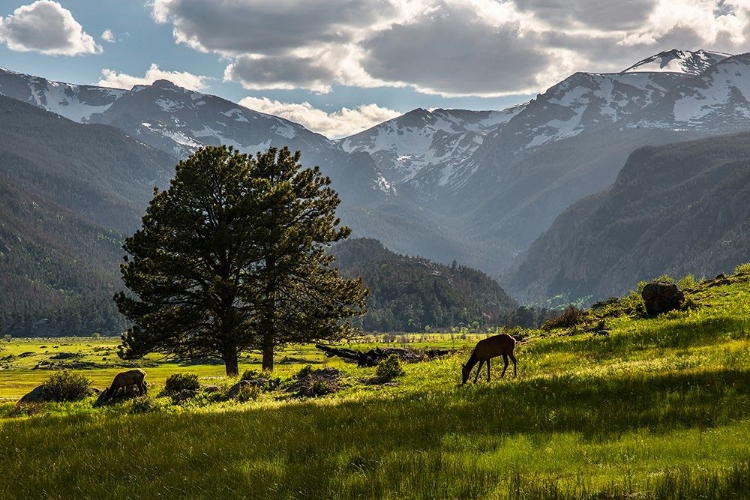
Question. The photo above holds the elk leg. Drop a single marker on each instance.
(488, 370)
(481, 363)
(505, 360)
(513, 358)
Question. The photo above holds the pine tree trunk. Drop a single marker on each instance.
(268, 352)
(269, 315)
(230, 361)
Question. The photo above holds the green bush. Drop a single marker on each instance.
(742, 268)
(66, 386)
(688, 281)
(254, 375)
(179, 381)
(248, 392)
(145, 404)
(270, 383)
(389, 368)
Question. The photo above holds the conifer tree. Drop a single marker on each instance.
(232, 258)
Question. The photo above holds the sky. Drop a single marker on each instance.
(341, 66)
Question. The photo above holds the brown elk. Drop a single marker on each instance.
(125, 379)
(498, 345)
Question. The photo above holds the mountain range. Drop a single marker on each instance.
(478, 187)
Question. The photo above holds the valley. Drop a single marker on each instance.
(478, 187)
(658, 408)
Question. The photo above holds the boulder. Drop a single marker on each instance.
(36, 395)
(660, 297)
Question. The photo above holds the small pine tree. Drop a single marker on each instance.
(389, 368)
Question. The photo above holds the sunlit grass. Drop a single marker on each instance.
(659, 408)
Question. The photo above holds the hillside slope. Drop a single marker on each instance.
(411, 293)
(68, 193)
(675, 209)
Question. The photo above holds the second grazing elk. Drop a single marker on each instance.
(491, 347)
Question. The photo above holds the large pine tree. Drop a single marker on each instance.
(232, 257)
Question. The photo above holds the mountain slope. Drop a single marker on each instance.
(68, 192)
(411, 293)
(675, 209)
(716, 100)
(178, 121)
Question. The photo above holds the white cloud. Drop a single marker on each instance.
(184, 79)
(108, 36)
(339, 123)
(449, 47)
(46, 27)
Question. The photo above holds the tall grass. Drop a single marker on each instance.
(659, 409)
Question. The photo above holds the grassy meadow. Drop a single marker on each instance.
(657, 409)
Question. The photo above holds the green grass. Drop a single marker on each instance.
(659, 409)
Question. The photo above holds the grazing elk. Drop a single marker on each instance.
(498, 345)
(125, 379)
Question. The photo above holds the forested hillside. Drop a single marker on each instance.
(68, 193)
(413, 294)
(677, 209)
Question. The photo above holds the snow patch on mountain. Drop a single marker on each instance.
(64, 99)
(441, 140)
(725, 90)
(285, 131)
(237, 114)
(678, 61)
(587, 100)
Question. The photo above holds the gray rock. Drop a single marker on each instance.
(660, 297)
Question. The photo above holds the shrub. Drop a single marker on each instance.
(389, 368)
(304, 372)
(247, 393)
(66, 386)
(664, 278)
(269, 384)
(569, 317)
(144, 404)
(253, 375)
(179, 381)
(315, 383)
(27, 409)
(688, 281)
(742, 268)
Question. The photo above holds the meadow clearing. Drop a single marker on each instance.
(659, 408)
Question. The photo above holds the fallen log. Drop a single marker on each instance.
(375, 356)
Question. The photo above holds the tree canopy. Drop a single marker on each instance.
(231, 257)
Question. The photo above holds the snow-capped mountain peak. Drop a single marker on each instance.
(419, 141)
(678, 61)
